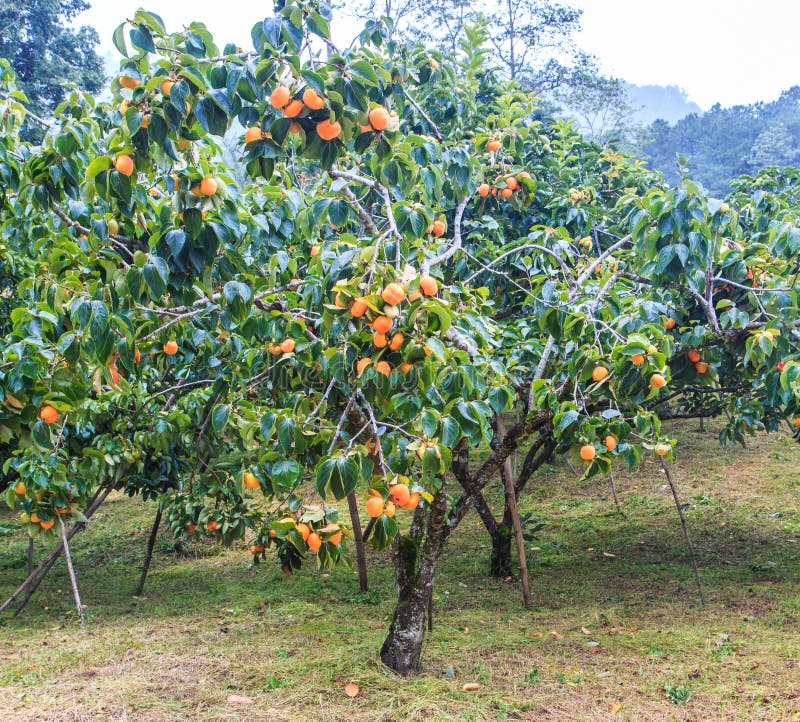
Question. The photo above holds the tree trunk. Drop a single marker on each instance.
(358, 539)
(415, 559)
(402, 648)
(500, 561)
(148, 557)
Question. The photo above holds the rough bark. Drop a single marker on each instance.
(415, 560)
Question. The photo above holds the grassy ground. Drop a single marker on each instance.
(616, 634)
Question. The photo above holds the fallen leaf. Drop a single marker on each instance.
(555, 634)
(586, 631)
(351, 690)
(615, 707)
(239, 699)
(470, 687)
(606, 554)
(616, 630)
(537, 634)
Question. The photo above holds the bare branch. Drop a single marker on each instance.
(454, 246)
(418, 108)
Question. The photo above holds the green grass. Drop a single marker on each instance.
(211, 624)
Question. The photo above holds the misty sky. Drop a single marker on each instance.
(727, 51)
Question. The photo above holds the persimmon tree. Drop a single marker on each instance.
(399, 266)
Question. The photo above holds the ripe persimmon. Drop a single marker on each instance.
(438, 228)
(252, 134)
(312, 100)
(382, 367)
(46, 524)
(166, 86)
(20, 488)
(637, 359)
(393, 294)
(493, 145)
(669, 324)
(657, 381)
(588, 452)
(428, 285)
(362, 364)
(382, 324)
(124, 164)
(701, 367)
(250, 480)
(314, 541)
(379, 340)
(293, 108)
(171, 348)
(483, 190)
(375, 506)
(611, 442)
(48, 414)
(396, 341)
(335, 538)
(327, 130)
(599, 373)
(359, 308)
(208, 186)
(506, 193)
(280, 96)
(129, 83)
(287, 345)
(304, 530)
(399, 494)
(694, 357)
(413, 501)
(379, 118)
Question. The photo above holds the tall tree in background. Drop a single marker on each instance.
(46, 52)
(724, 143)
(530, 39)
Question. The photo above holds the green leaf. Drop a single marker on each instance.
(267, 425)
(118, 39)
(362, 70)
(339, 475)
(142, 39)
(156, 275)
(383, 533)
(219, 417)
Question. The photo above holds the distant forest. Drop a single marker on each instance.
(724, 143)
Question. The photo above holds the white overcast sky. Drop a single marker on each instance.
(726, 51)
